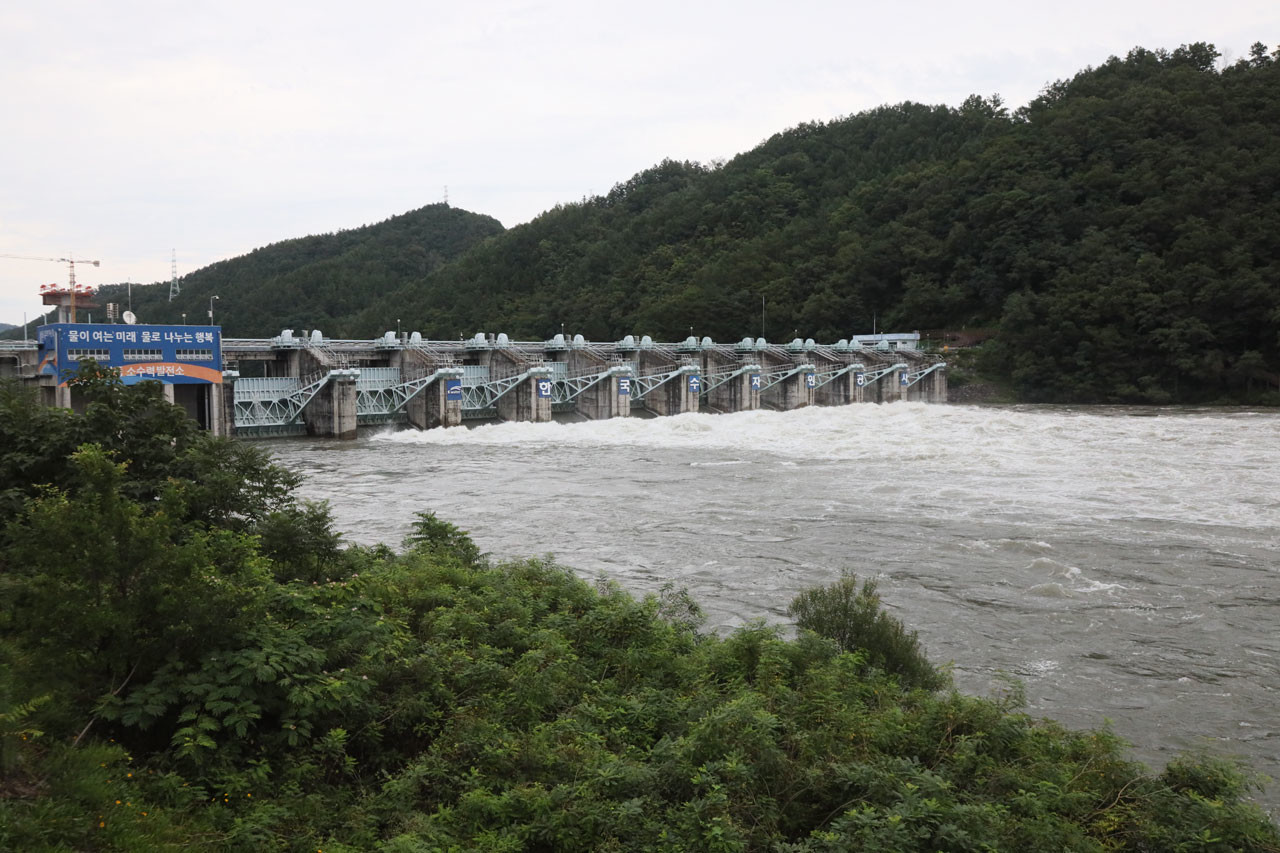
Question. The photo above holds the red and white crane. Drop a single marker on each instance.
(54, 294)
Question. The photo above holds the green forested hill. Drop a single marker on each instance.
(1121, 233)
(683, 244)
(318, 281)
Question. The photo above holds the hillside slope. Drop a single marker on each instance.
(315, 282)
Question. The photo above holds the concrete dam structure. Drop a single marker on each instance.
(308, 384)
(296, 384)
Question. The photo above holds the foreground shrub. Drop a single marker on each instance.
(854, 618)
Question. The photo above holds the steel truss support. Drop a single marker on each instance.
(389, 399)
(825, 376)
(877, 375)
(712, 381)
(645, 384)
(260, 407)
(487, 394)
(768, 380)
(913, 378)
(567, 389)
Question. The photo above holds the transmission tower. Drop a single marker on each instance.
(174, 290)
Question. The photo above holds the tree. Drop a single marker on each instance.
(853, 617)
(125, 588)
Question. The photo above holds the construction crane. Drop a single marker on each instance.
(71, 287)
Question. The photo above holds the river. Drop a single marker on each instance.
(1122, 563)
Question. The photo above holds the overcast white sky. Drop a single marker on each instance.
(133, 129)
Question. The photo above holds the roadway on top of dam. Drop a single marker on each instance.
(884, 343)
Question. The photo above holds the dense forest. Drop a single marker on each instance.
(1119, 237)
(191, 659)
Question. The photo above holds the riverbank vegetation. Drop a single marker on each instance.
(190, 658)
(1117, 236)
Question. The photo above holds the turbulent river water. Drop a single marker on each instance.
(1123, 564)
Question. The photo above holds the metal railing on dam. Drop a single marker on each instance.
(292, 384)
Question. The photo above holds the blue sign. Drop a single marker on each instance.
(811, 380)
(755, 382)
(902, 378)
(544, 387)
(624, 386)
(453, 389)
(175, 355)
(860, 379)
(695, 384)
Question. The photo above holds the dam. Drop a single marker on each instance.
(296, 384)
(309, 384)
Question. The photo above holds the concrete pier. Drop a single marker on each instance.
(530, 400)
(931, 388)
(608, 398)
(332, 411)
(938, 387)
(841, 390)
(732, 380)
(797, 390)
(227, 405)
(437, 405)
(677, 395)
(739, 393)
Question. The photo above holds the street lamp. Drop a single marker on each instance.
(184, 318)
(211, 298)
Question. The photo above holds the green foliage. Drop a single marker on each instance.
(137, 426)
(34, 443)
(436, 536)
(15, 726)
(224, 684)
(91, 797)
(301, 543)
(852, 616)
(114, 596)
